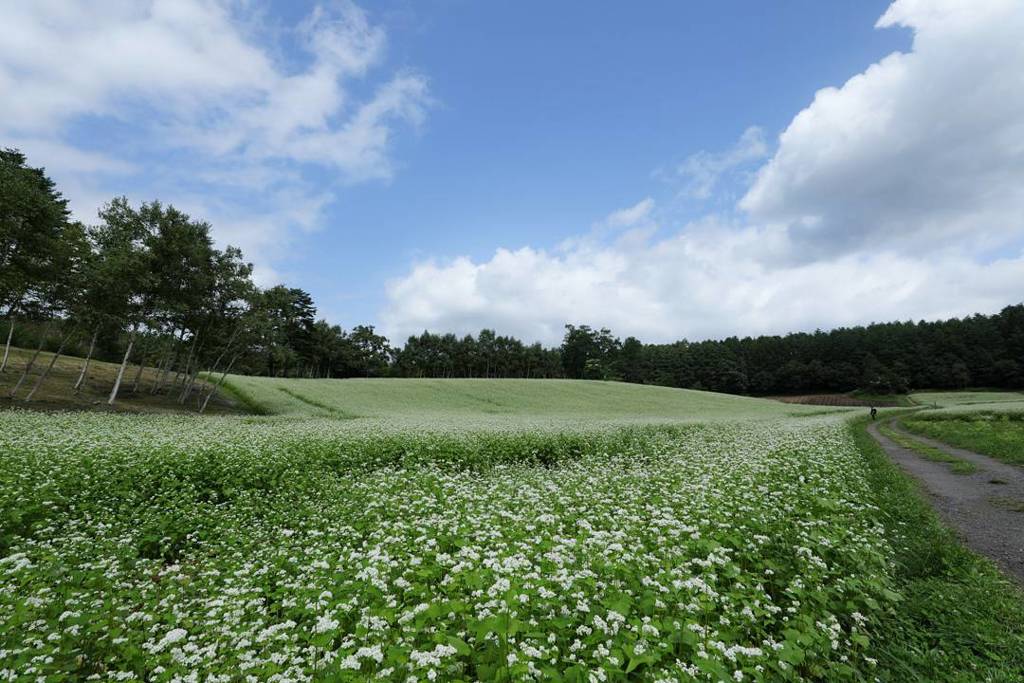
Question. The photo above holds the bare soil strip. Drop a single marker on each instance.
(832, 400)
(985, 508)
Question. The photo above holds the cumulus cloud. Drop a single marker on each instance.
(212, 84)
(921, 148)
(898, 195)
(706, 281)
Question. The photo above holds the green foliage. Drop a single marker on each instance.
(148, 280)
(488, 355)
(33, 220)
(882, 358)
(588, 353)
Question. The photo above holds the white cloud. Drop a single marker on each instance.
(707, 281)
(632, 216)
(921, 148)
(60, 60)
(700, 173)
(47, 153)
(203, 88)
(886, 199)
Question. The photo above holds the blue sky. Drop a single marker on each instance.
(458, 164)
(551, 115)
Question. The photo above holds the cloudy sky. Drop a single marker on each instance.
(667, 169)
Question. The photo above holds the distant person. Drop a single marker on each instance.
(874, 412)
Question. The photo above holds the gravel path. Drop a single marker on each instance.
(985, 508)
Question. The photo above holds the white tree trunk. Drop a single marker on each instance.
(138, 375)
(158, 369)
(185, 373)
(162, 379)
(46, 372)
(120, 371)
(31, 362)
(171, 361)
(7, 347)
(217, 385)
(189, 383)
(227, 347)
(85, 365)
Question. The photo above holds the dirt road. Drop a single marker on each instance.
(986, 508)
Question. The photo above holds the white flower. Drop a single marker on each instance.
(324, 624)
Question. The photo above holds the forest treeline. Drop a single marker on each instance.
(145, 286)
(882, 358)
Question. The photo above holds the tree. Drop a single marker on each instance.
(33, 218)
(124, 281)
(374, 350)
(288, 317)
(67, 290)
(629, 364)
(583, 344)
(223, 315)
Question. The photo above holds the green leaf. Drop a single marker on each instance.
(460, 645)
(622, 605)
(791, 654)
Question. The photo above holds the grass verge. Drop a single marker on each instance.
(959, 465)
(960, 619)
(998, 435)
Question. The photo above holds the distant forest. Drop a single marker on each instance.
(982, 350)
(145, 286)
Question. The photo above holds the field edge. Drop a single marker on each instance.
(979, 635)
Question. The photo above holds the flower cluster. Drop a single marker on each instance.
(283, 549)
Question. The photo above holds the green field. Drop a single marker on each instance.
(988, 422)
(504, 402)
(467, 530)
(999, 435)
(971, 401)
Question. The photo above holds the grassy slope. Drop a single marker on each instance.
(960, 619)
(989, 422)
(450, 400)
(56, 392)
(994, 435)
(960, 401)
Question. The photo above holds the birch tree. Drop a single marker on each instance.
(121, 266)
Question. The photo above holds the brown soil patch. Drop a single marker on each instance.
(57, 391)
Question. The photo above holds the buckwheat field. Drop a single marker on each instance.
(736, 542)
